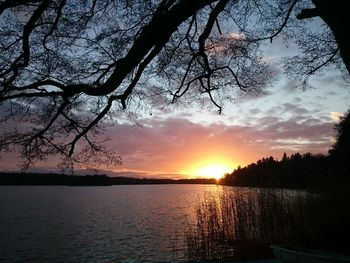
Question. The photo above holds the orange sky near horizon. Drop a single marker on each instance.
(177, 148)
(194, 152)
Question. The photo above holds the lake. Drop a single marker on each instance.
(133, 223)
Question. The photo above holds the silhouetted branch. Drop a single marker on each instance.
(55, 23)
(281, 27)
(308, 13)
(65, 62)
(6, 4)
(91, 125)
(324, 63)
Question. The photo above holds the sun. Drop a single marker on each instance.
(208, 167)
(216, 171)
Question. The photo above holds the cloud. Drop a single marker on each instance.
(167, 147)
(287, 108)
(333, 79)
(224, 43)
(294, 109)
(290, 85)
(254, 111)
(335, 116)
(297, 100)
(331, 93)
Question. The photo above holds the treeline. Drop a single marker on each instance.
(128, 180)
(301, 171)
(88, 180)
(295, 171)
(52, 179)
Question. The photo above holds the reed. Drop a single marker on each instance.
(243, 224)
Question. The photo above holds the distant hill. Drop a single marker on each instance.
(88, 180)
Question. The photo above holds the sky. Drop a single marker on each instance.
(184, 142)
(187, 141)
(178, 142)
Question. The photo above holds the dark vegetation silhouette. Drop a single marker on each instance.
(242, 224)
(296, 171)
(301, 171)
(340, 152)
(88, 180)
(69, 68)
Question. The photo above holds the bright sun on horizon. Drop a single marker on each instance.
(215, 170)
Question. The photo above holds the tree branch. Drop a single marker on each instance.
(13, 3)
(308, 13)
(324, 63)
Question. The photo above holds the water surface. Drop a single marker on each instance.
(134, 223)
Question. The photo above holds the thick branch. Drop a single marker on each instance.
(139, 72)
(28, 28)
(308, 13)
(23, 59)
(335, 14)
(13, 3)
(32, 95)
(55, 23)
(207, 30)
(157, 32)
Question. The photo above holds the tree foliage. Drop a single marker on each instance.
(69, 66)
(298, 171)
(340, 152)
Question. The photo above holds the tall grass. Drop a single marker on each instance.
(243, 224)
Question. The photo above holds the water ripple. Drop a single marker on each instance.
(96, 224)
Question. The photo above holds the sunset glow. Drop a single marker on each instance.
(209, 168)
(216, 171)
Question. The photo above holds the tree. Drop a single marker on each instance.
(340, 151)
(336, 17)
(68, 66)
(284, 157)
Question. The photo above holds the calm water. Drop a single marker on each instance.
(138, 223)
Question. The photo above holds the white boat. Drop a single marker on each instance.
(289, 254)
